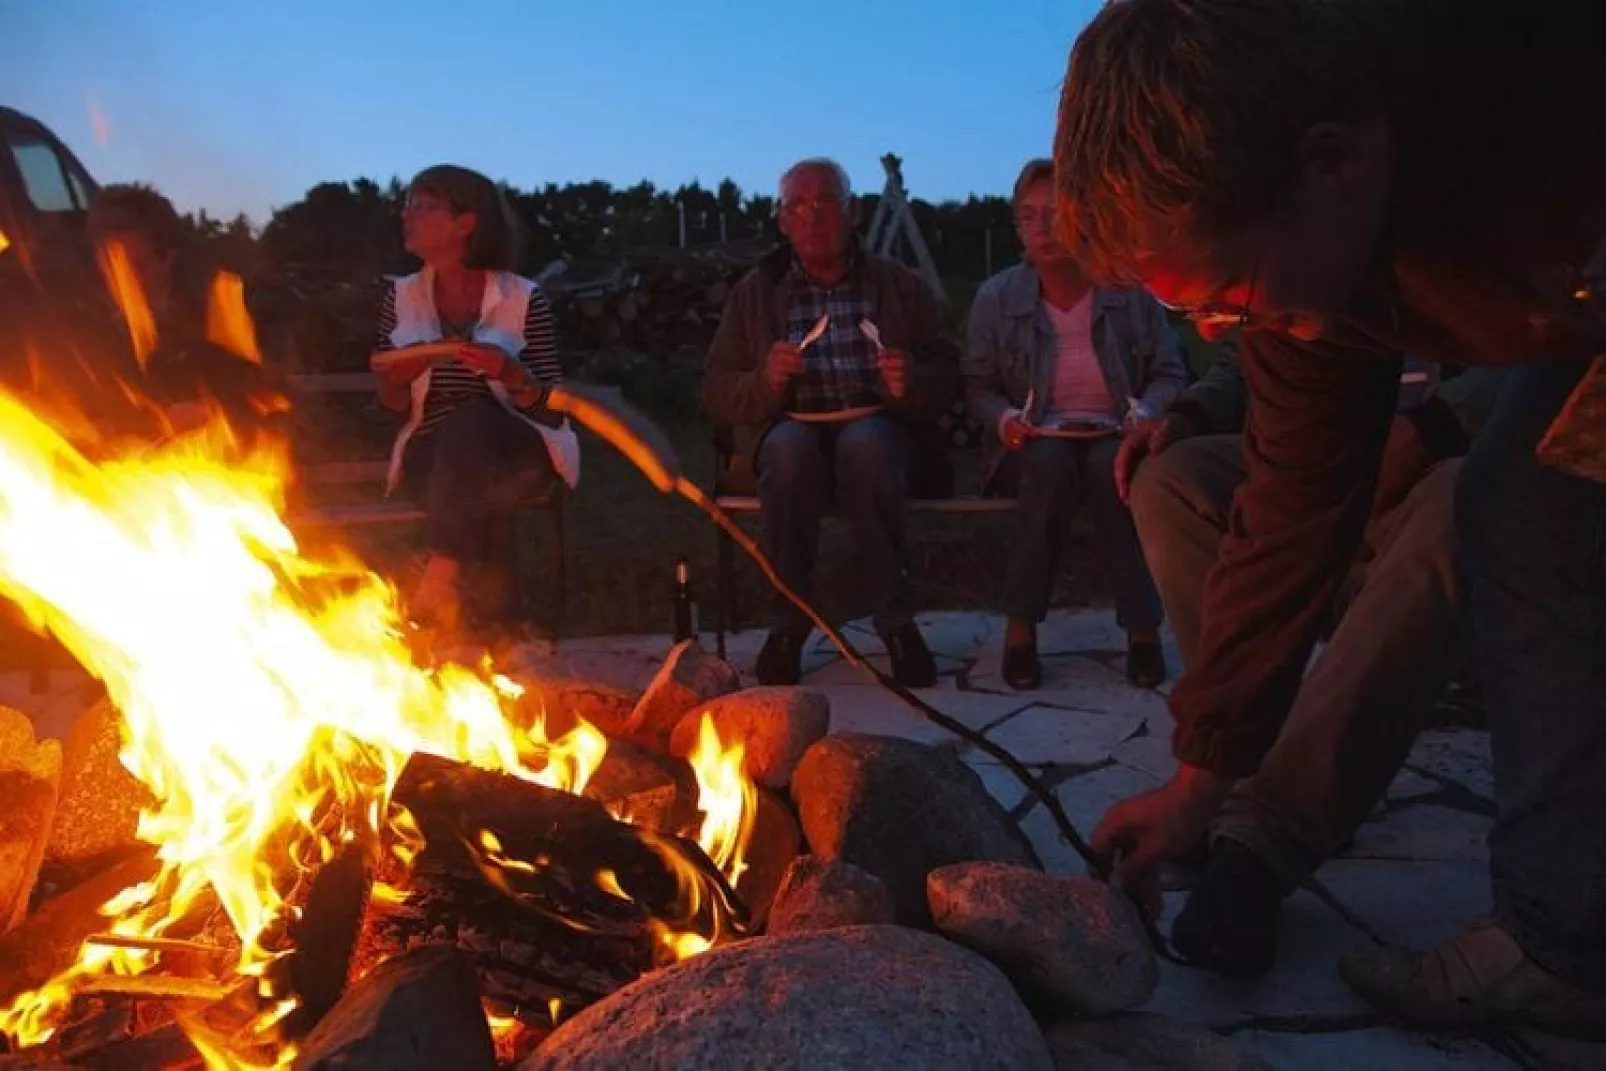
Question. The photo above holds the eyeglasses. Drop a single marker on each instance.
(813, 206)
(1221, 313)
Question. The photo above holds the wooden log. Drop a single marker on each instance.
(552, 900)
(30, 773)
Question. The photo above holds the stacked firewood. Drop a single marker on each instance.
(654, 301)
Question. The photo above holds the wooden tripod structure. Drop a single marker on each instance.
(893, 232)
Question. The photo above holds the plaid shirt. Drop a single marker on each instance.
(839, 369)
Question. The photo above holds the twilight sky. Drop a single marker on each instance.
(234, 107)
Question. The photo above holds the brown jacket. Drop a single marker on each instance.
(909, 318)
(1500, 199)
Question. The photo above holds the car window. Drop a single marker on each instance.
(43, 176)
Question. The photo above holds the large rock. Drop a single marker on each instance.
(646, 789)
(690, 678)
(1073, 944)
(602, 687)
(775, 842)
(870, 997)
(828, 894)
(30, 775)
(1144, 1042)
(97, 814)
(901, 810)
(415, 1012)
(775, 727)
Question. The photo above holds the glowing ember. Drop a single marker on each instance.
(228, 324)
(123, 282)
(5, 243)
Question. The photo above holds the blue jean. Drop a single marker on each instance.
(470, 472)
(862, 466)
(1047, 477)
(1533, 548)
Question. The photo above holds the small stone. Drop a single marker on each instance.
(1073, 944)
(775, 727)
(865, 997)
(1144, 1042)
(775, 842)
(690, 677)
(828, 894)
(30, 774)
(900, 810)
(414, 1012)
(645, 788)
(97, 815)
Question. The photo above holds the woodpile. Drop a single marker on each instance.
(655, 301)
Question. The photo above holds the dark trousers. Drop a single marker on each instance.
(863, 466)
(470, 473)
(1533, 546)
(1374, 684)
(1048, 477)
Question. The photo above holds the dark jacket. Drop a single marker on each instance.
(1500, 200)
(1011, 349)
(909, 318)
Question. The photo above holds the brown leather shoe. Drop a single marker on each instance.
(1480, 977)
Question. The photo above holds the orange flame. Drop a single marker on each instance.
(727, 799)
(129, 293)
(270, 699)
(97, 120)
(228, 324)
(5, 243)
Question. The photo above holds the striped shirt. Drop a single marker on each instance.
(452, 384)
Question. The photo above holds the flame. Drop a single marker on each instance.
(5, 243)
(270, 699)
(228, 324)
(727, 799)
(123, 282)
(97, 120)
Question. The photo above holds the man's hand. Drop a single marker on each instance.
(1145, 831)
(1013, 431)
(785, 360)
(1145, 438)
(894, 366)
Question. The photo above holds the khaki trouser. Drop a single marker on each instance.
(1371, 689)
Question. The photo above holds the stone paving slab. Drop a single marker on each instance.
(1380, 1047)
(1042, 735)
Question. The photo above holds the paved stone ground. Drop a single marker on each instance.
(1416, 871)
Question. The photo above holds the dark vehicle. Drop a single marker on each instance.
(47, 267)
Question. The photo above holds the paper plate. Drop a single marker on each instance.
(837, 416)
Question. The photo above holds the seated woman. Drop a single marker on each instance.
(479, 438)
(1058, 370)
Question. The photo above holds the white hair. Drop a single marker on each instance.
(843, 186)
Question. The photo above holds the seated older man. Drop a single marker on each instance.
(831, 366)
(1058, 369)
(1373, 687)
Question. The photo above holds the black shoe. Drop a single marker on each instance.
(780, 662)
(1229, 924)
(912, 664)
(1145, 663)
(1022, 670)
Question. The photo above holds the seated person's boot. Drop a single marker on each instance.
(780, 661)
(1022, 670)
(912, 663)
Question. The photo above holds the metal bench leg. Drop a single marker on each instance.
(560, 531)
(725, 584)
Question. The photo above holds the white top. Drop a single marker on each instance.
(1078, 390)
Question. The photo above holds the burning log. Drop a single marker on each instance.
(554, 902)
(30, 773)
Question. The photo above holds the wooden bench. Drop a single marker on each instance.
(740, 505)
(370, 472)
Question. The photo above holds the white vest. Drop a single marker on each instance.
(501, 324)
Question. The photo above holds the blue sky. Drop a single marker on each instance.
(237, 106)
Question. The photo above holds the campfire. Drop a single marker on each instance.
(322, 800)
